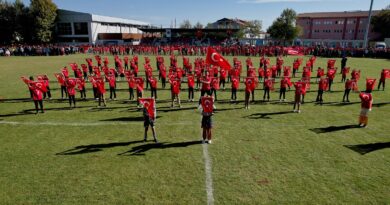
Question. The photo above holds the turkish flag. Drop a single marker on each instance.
(207, 104)
(370, 84)
(387, 73)
(149, 104)
(214, 58)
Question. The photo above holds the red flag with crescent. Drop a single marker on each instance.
(387, 73)
(207, 104)
(149, 104)
(370, 84)
(214, 58)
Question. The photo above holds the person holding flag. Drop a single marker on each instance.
(61, 80)
(322, 86)
(207, 108)
(191, 84)
(299, 87)
(214, 86)
(268, 85)
(235, 85)
(139, 83)
(71, 84)
(149, 113)
(100, 91)
(175, 90)
(249, 88)
(331, 74)
(366, 105)
(283, 87)
(112, 83)
(370, 84)
(36, 89)
(81, 88)
(153, 86)
(348, 87)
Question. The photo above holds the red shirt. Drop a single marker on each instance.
(235, 83)
(366, 100)
(70, 86)
(153, 82)
(190, 81)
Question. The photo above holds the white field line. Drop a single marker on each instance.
(209, 180)
(84, 124)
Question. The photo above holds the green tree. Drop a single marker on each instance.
(381, 23)
(253, 28)
(7, 22)
(44, 13)
(284, 27)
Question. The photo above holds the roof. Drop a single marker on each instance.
(239, 21)
(342, 14)
(81, 16)
(183, 30)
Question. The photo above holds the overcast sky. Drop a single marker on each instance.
(164, 13)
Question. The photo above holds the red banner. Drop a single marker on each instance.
(207, 104)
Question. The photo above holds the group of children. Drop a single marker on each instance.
(208, 79)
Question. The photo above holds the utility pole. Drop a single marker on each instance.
(367, 26)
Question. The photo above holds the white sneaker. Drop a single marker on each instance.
(295, 111)
(299, 111)
(209, 142)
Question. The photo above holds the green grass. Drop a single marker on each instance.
(265, 155)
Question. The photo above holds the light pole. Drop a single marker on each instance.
(367, 26)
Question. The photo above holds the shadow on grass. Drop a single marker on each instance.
(83, 149)
(168, 109)
(333, 128)
(367, 148)
(380, 104)
(266, 115)
(141, 149)
(21, 113)
(339, 104)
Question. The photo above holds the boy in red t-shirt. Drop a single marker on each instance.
(153, 86)
(235, 85)
(70, 86)
(191, 84)
(36, 89)
(366, 105)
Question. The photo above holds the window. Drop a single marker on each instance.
(351, 22)
(80, 28)
(64, 29)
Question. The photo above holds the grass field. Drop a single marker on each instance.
(264, 155)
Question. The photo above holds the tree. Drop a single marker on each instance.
(44, 13)
(381, 23)
(186, 24)
(284, 27)
(253, 28)
(198, 25)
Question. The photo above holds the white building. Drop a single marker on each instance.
(78, 27)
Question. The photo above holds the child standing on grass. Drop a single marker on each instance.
(70, 86)
(207, 108)
(366, 105)
(36, 89)
(149, 114)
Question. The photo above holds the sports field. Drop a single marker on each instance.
(264, 155)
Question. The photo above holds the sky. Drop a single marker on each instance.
(164, 12)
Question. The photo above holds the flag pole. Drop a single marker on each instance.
(367, 26)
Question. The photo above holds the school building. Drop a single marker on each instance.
(334, 29)
(78, 27)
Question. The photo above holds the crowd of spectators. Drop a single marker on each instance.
(38, 50)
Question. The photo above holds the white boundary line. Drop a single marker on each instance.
(209, 180)
(83, 124)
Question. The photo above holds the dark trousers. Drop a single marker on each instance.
(63, 90)
(222, 82)
(112, 92)
(282, 92)
(330, 83)
(36, 102)
(47, 92)
(153, 92)
(234, 94)
(95, 92)
(381, 83)
(163, 82)
(266, 93)
(346, 94)
(319, 96)
(131, 92)
(190, 93)
(83, 93)
(72, 99)
(214, 91)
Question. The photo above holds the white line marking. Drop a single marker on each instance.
(209, 180)
(84, 124)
